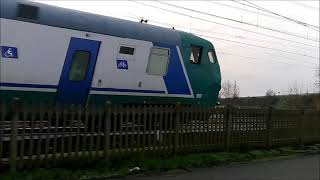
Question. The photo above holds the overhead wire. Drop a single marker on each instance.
(201, 31)
(306, 6)
(299, 22)
(187, 15)
(225, 34)
(237, 21)
(282, 16)
(221, 24)
(243, 9)
(245, 44)
(260, 13)
(274, 55)
(261, 9)
(248, 57)
(183, 27)
(274, 49)
(262, 47)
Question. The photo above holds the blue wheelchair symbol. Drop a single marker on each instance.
(122, 64)
(9, 52)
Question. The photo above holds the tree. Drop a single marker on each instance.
(236, 90)
(294, 99)
(294, 89)
(270, 98)
(317, 87)
(270, 92)
(317, 82)
(226, 90)
(229, 91)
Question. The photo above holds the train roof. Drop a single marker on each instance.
(78, 20)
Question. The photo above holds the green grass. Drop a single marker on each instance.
(120, 165)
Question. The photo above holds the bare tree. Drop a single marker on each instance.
(294, 99)
(226, 90)
(270, 98)
(294, 89)
(236, 90)
(270, 92)
(317, 82)
(317, 86)
(229, 91)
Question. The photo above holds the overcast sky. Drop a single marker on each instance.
(275, 64)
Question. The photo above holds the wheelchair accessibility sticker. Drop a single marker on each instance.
(9, 52)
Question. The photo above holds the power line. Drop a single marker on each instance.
(250, 11)
(308, 64)
(233, 27)
(306, 6)
(166, 24)
(237, 21)
(282, 16)
(248, 57)
(213, 33)
(274, 55)
(243, 9)
(259, 46)
(240, 37)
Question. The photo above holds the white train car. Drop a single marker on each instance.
(55, 55)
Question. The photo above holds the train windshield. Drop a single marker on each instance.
(212, 56)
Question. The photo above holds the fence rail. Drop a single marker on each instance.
(33, 135)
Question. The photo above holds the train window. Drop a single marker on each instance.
(195, 54)
(158, 62)
(79, 65)
(126, 50)
(28, 11)
(212, 56)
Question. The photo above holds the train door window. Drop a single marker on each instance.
(212, 56)
(195, 56)
(158, 62)
(28, 11)
(79, 65)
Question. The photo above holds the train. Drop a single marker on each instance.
(56, 55)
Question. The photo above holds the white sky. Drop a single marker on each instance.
(255, 69)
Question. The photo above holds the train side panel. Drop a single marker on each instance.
(41, 56)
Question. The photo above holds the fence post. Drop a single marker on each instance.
(14, 113)
(269, 127)
(107, 127)
(176, 128)
(228, 127)
(300, 127)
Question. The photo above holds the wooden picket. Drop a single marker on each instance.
(33, 135)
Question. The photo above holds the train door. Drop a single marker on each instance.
(77, 72)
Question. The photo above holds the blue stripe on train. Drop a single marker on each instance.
(128, 90)
(41, 86)
(28, 85)
(175, 79)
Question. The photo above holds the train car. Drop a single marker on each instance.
(56, 55)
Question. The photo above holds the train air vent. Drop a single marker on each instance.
(28, 11)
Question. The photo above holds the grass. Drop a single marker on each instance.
(121, 165)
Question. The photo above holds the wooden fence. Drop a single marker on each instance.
(33, 135)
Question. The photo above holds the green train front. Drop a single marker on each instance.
(204, 71)
(50, 56)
